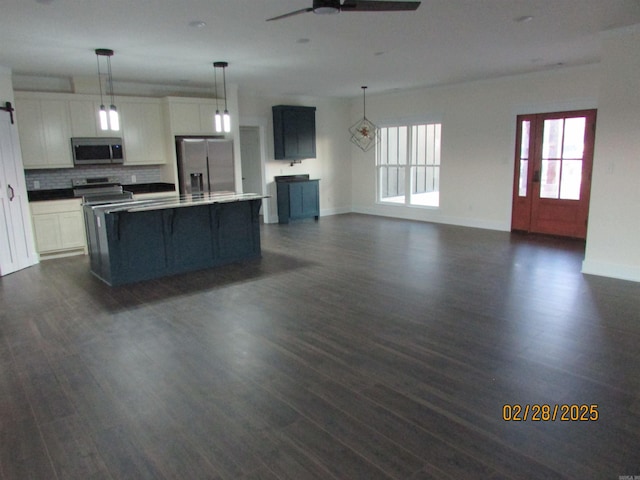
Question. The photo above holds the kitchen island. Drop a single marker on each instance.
(141, 240)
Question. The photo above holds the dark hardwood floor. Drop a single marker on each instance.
(358, 347)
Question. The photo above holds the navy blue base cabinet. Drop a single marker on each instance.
(130, 246)
(298, 197)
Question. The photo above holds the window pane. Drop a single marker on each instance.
(419, 179)
(522, 181)
(573, 138)
(392, 182)
(425, 183)
(437, 140)
(550, 179)
(392, 149)
(552, 141)
(571, 179)
(524, 143)
(418, 145)
(403, 133)
(383, 147)
(430, 145)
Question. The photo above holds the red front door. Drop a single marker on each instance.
(552, 179)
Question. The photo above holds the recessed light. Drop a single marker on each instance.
(303, 40)
(523, 19)
(197, 24)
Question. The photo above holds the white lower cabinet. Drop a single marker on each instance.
(59, 228)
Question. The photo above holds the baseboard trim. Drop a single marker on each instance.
(418, 215)
(605, 269)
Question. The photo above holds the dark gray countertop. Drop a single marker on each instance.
(67, 193)
(294, 178)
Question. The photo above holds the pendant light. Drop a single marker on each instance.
(217, 119)
(108, 120)
(364, 133)
(222, 122)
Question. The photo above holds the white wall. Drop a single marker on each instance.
(613, 237)
(6, 85)
(332, 164)
(478, 140)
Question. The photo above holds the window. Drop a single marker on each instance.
(408, 164)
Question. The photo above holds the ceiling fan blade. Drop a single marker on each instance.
(291, 14)
(373, 6)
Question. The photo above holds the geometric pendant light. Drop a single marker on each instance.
(222, 122)
(364, 133)
(108, 120)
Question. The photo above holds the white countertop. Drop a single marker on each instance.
(178, 201)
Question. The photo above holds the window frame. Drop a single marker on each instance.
(407, 166)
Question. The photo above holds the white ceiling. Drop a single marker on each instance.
(444, 41)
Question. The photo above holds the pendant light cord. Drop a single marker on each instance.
(364, 102)
(224, 82)
(99, 79)
(110, 79)
(215, 80)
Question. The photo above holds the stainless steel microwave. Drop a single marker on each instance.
(97, 150)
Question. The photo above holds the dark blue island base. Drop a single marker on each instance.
(135, 241)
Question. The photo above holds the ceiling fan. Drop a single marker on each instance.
(334, 6)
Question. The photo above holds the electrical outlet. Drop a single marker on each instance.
(36, 184)
(133, 179)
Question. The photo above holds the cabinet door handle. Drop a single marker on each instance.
(11, 192)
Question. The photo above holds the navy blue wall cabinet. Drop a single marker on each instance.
(298, 197)
(131, 246)
(294, 132)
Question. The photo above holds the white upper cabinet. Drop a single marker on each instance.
(192, 116)
(84, 119)
(48, 121)
(142, 126)
(44, 127)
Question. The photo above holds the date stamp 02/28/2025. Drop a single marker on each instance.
(550, 413)
(517, 412)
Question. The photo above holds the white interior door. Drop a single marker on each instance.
(251, 159)
(17, 249)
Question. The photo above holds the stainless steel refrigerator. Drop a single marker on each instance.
(205, 164)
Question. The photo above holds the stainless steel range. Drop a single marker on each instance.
(94, 192)
(97, 190)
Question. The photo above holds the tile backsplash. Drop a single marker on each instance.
(52, 178)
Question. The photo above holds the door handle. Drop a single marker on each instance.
(536, 176)
(11, 192)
